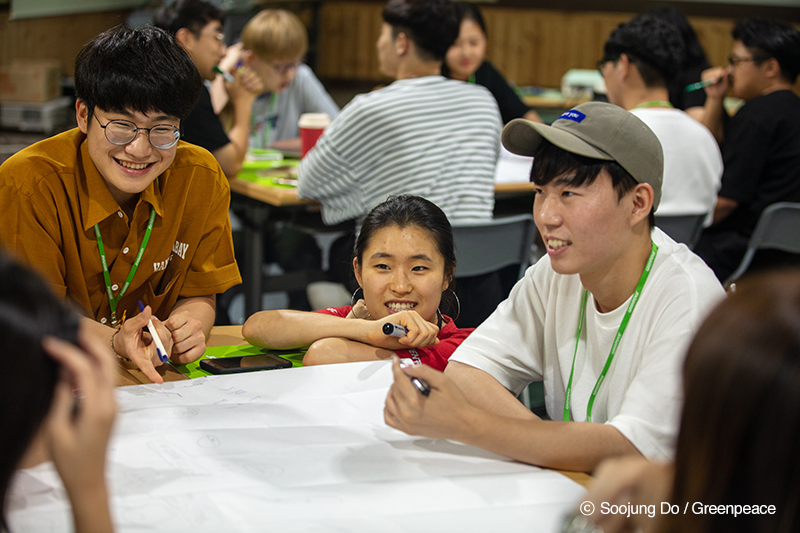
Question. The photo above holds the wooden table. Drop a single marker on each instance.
(230, 336)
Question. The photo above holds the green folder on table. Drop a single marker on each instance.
(193, 370)
(269, 167)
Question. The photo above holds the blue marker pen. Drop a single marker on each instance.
(394, 330)
(162, 353)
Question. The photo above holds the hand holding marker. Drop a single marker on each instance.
(701, 84)
(400, 331)
(162, 353)
(227, 75)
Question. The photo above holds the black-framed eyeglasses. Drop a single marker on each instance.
(735, 61)
(602, 63)
(609, 59)
(121, 132)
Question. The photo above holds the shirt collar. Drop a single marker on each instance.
(99, 204)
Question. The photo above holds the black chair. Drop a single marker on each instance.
(682, 228)
(778, 228)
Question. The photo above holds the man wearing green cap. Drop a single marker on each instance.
(603, 319)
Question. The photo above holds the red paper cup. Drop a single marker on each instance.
(311, 127)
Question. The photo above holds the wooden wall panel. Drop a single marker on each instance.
(59, 38)
(530, 46)
(347, 34)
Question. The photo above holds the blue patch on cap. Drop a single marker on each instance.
(573, 115)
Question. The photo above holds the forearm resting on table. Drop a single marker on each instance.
(485, 392)
(340, 350)
(286, 329)
(501, 424)
(287, 144)
(579, 446)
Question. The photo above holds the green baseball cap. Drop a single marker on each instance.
(599, 130)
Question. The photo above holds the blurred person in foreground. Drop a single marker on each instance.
(739, 433)
(57, 398)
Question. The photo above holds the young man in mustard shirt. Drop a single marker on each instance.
(118, 211)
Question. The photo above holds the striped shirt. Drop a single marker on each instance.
(428, 136)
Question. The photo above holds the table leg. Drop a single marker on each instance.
(254, 225)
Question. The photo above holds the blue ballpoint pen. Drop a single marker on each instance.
(162, 353)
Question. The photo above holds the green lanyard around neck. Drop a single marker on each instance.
(112, 302)
(624, 324)
(262, 138)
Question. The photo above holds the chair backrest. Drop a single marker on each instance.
(682, 228)
(488, 246)
(778, 227)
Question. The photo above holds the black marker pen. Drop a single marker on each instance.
(421, 386)
(419, 383)
(394, 330)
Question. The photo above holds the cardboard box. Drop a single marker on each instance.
(30, 81)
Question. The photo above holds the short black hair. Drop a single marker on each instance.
(550, 162)
(410, 211)
(770, 38)
(193, 15)
(655, 46)
(432, 25)
(142, 69)
(694, 53)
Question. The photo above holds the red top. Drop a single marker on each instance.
(434, 356)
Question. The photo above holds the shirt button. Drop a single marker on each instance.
(120, 214)
(103, 320)
(125, 250)
(114, 287)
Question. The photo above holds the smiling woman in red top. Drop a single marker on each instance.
(404, 261)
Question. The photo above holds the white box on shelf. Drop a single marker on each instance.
(44, 117)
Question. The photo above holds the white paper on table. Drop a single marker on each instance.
(302, 449)
(512, 168)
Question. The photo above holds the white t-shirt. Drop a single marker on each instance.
(531, 337)
(692, 162)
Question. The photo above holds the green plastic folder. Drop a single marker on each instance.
(260, 172)
(193, 370)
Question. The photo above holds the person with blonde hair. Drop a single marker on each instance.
(273, 44)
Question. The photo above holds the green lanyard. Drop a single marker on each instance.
(614, 346)
(264, 134)
(653, 103)
(471, 78)
(112, 302)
